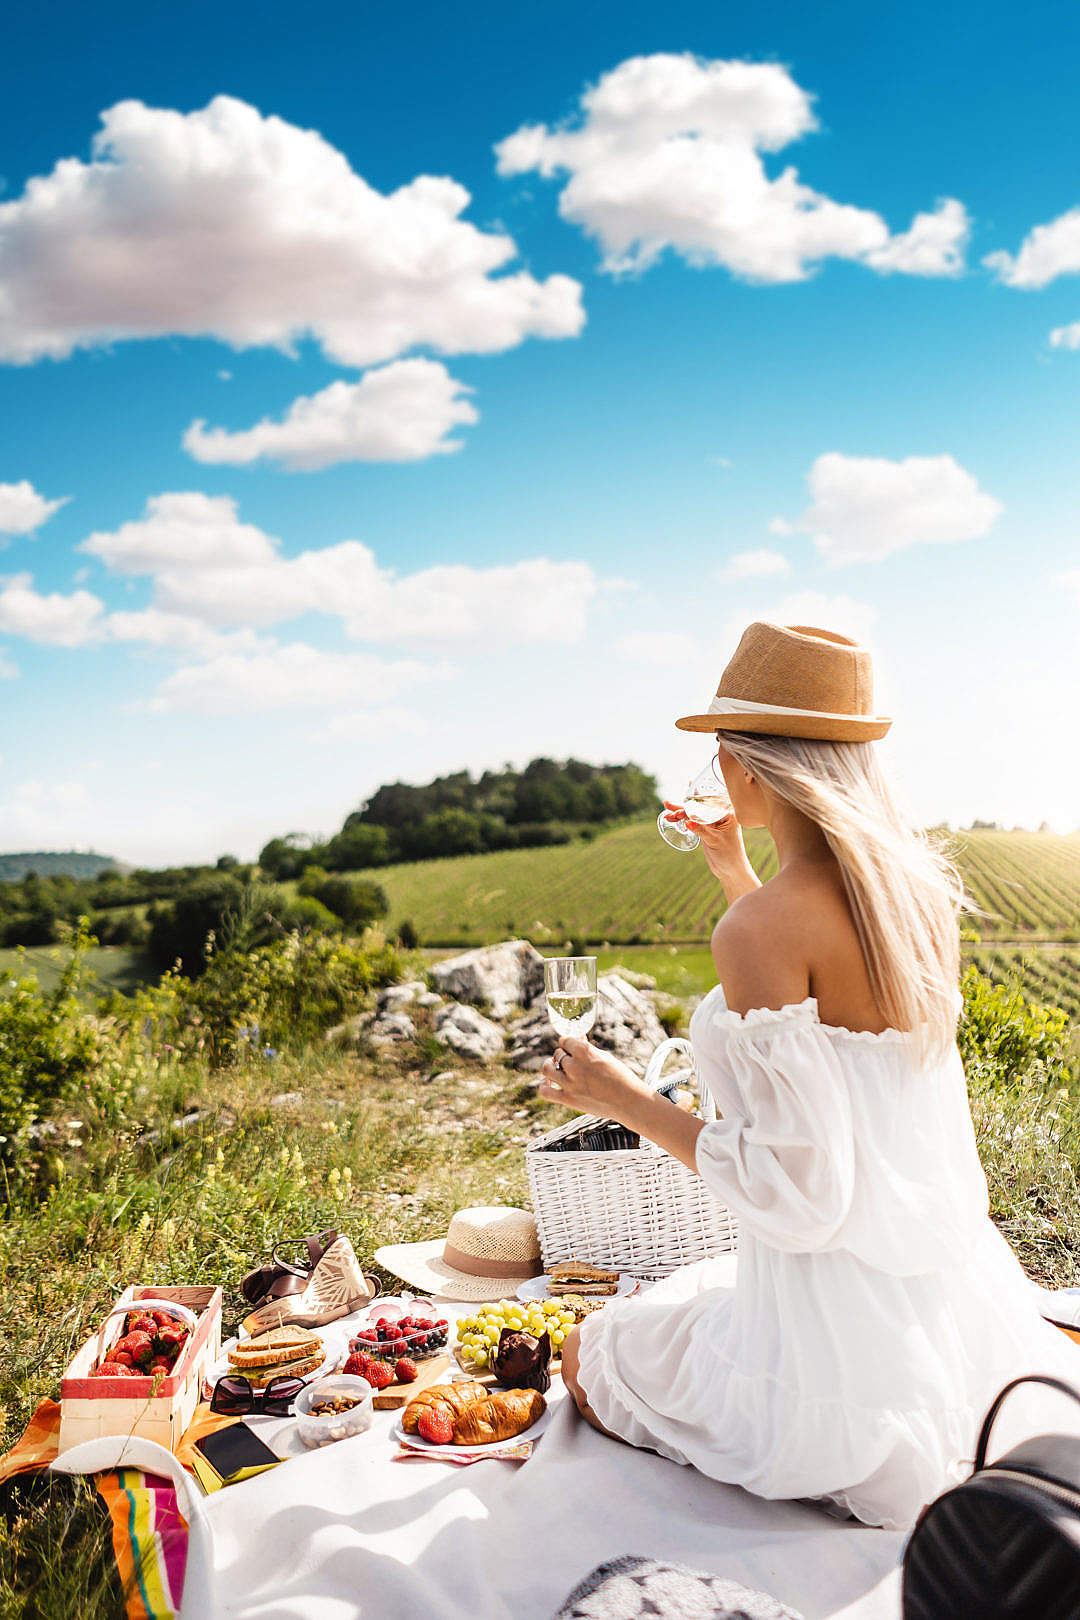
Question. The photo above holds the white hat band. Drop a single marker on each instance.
(731, 705)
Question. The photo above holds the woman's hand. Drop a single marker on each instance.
(580, 1076)
(722, 842)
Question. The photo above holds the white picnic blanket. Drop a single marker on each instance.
(351, 1531)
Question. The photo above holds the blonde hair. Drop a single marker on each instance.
(904, 892)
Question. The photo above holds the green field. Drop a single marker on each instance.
(108, 967)
(627, 887)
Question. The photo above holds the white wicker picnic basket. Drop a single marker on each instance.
(634, 1209)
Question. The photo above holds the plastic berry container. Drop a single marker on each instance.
(391, 1328)
(319, 1429)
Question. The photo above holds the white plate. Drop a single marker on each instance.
(537, 1288)
(417, 1442)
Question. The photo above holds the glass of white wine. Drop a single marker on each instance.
(570, 988)
(705, 800)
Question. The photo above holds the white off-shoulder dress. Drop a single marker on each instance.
(876, 1310)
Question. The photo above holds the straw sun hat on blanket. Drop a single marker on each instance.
(485, 1254)
(792, 680)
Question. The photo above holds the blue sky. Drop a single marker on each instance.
(683, 393)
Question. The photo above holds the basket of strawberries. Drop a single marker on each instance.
(141, 1371)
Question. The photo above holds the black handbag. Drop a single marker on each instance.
(1004, 1545)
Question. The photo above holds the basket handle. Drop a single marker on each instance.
(135, 1307)
(654, 1072)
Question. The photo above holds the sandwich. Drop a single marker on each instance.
(576, 1277)
(280, 1352)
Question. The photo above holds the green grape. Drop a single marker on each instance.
(557, 1337)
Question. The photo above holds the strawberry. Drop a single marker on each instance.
(162, 1318)
(122, 1357)
(379, 1375)
(169, 1340)
(160, 1364)
(140, 1346)
(355, 1365)
(406, 1370)
(435, 1426)
(113, 1369)
(141, 1323)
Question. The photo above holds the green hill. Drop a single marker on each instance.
(627, 887)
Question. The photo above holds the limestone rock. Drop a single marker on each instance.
(626, 1024)
(350, 1031)
(397, 996)
(391, 1028)
(501, 977)
(469, 1032)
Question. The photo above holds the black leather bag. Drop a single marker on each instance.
(1004, 1545)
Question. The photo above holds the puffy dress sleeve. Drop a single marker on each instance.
(782, 1154)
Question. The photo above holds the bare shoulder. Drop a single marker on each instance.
(760, 958)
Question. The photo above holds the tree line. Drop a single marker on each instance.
(313, 885)
(549, 802)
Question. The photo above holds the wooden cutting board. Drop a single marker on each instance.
(432, 1371)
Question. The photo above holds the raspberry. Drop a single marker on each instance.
(379, 1375)
(406, 1370)
(435, 1426)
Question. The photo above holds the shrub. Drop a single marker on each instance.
(180, 931)
(46, 1048)
(1006, 1040)
(355, 900)
(408, 935)
(279, 996)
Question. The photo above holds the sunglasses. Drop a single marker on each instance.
(234, 1394)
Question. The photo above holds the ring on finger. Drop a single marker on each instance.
(556, 1061)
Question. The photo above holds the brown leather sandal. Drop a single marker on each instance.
(335, 1288)
(279, 1278)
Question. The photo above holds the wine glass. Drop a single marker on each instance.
(570, 989)
(705, 800)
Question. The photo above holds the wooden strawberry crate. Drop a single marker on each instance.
(91, 1407)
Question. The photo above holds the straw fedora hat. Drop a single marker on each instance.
(793, 680)
(485, 1254)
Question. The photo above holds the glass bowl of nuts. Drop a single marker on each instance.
(334, 1408)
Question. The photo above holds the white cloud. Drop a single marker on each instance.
(295, 676)
(22, 509)
(56, 620)
(865, 507)
(177, 632)
(1066, 337)
(210, 567)
(668, 154)
(224, 376)
(188, 530)
(226, 224)
(753, 565)
(37, 814)
(1046, 252)
(779, 525)
(400, 412)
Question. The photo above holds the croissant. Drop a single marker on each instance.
(478, 1415)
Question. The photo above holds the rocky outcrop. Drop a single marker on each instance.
(626, 1024)
(497, 977)
(469, 1032)
(391, 1028)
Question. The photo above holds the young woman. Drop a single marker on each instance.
(877, 1310)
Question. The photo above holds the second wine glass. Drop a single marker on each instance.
(570, 989)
